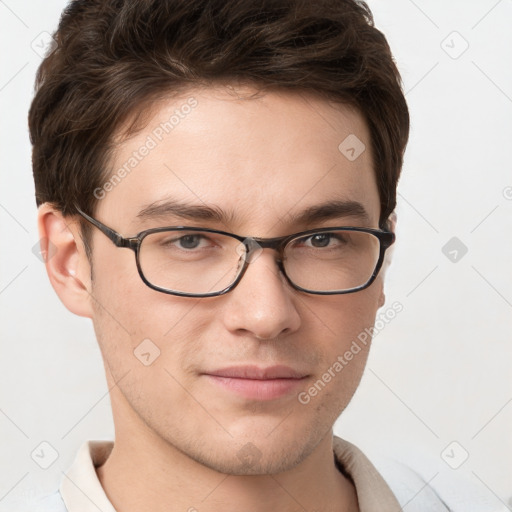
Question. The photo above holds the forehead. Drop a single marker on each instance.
(257, 158)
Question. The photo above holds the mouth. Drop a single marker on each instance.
(255, 383)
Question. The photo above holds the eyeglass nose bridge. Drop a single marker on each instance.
(251, 247)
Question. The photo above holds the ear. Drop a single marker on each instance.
(65, 259)
(391, 226)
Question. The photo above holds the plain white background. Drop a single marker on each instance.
(439, 372)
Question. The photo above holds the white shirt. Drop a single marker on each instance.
(396, 488)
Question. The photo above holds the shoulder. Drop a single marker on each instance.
(418, 481)
(51, 503)
(420, 488)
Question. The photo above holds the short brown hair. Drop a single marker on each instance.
(115, 58)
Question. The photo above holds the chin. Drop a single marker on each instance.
(252, 458)
(259, 448)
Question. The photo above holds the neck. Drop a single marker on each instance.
(144, 471)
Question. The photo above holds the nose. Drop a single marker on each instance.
(262, 304)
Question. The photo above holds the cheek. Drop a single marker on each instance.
(131, 319)
(342, 317)
(341, 327)
(122, 297)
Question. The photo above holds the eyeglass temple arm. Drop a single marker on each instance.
(114, 236)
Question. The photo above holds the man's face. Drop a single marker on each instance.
(261, 163)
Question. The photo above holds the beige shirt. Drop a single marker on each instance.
(81, 490)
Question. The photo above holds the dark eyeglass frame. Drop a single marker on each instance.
(386, 239)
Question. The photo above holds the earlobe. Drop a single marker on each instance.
(65, 259)
(382, 298)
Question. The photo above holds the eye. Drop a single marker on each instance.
(185, 242)
(321, 239)
(189, 241)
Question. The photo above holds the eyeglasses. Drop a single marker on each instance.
(202, 262)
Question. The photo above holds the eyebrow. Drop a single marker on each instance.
(331, 210)
(174, 208)
(325, 211)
